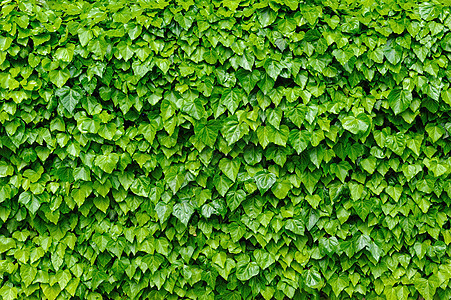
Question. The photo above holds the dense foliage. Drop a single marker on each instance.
(225, 149)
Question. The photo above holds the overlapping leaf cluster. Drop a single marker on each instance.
(225, 149)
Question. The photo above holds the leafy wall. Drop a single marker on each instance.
(225, 150)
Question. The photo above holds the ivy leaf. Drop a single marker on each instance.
(341, 170)
(264, 259)
(175, 177)
(233, 130)
(164, 211)
(435, 132)
(207, 132)
(313, 279)
(281, 189)
(234, 199)
(369, 164)
(59, 77)
(107, 162)
(428, 11)
(247, 61)
(5, 43)
(357, 125)
(230, 167)
(252, 155)
(392, 52)
(66, 53)
(247, 79)
(27, 274)
(50, 292)
(194, 109)
(246, 270)
(232, 99)
(183, 211)
(427, 287)
(5, 169)
(8, 292)
(299, 139)
(69, 98)
(399, 100)
(313, 200)
(264, 180)
(339, 283)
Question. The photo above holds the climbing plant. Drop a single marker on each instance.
(225, 149)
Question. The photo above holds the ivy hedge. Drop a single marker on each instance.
(225, 149)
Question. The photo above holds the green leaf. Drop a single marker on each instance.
(66, 53)
(72, 286)
(435, 132)
(411, 171)
(234, 199)
(252, 155)
(232, 98)
(312, 13)
(230, 167)
(27, 274)
(281, 189)
(194, 109)
(338, 283)
(341, 170)
(357, 190)
(175, 177)
(247, 79)
(246, 270)
(222, 184)
(392, 52)
(5, 43)
(164, 211)
(162, 246)
(69, 98)
(50, 292)
(426, 287)
(263, 258)
(343, 56)
(313, 279)
(125, 50)
(281, 135)
(183, 211)
(295, 226)
(220, 259)
(210, 57)
(264, 180)
(102, 203)
(247, 60)
(399, 100)
(313, 200)
(266, 17)
(59, 77)
(369, 164)
(107, 162)
(6, 169)
(357, 125)
(63, 278)
(428, 11)
(8, 292)
(233, 130)
(299, 139)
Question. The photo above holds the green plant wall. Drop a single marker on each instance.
(225, 150)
